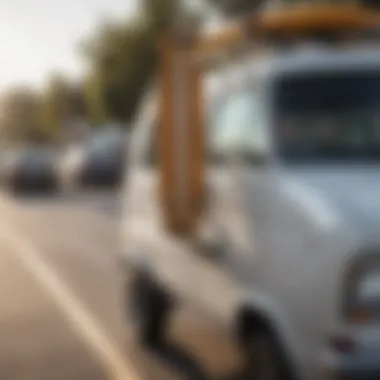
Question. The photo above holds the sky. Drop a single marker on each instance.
(41, 36)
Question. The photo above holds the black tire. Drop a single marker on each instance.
(149, 307)
(264, 359)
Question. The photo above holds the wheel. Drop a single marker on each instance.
(149, 307)
(264, 358)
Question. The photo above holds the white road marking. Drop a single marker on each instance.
(81, 319)
(87, 246)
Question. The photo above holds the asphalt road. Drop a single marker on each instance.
(60, 309)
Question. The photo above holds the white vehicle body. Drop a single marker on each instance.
(288, 234)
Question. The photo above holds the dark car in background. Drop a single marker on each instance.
(31, 170)
(99, 162)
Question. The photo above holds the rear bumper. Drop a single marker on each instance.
(37, 183)
(102, 176)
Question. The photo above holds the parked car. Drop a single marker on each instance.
(99, 162)
(31, 170)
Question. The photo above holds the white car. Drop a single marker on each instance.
(30, 170)
(294, 218)
(71, 163)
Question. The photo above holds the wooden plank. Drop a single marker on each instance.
(181, 141)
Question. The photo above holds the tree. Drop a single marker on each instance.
(94, 101)
(160, 14)
(18, 118)
(77, 103)
(235, 8)
(123, 60)
(61, 103)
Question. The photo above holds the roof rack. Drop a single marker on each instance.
(300, 22)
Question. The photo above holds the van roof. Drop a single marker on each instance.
(301, 60)
(319, 59)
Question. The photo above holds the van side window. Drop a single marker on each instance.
(238, 123)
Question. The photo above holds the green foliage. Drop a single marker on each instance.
(59, 104)
(234, 8)
(160, 14)
(54, 106)
(123, 60)
(19, 114)
(94, 100)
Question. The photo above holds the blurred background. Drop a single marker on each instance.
(72, 76)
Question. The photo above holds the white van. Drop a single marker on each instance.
(290, 254)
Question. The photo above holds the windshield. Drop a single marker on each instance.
(329, 116)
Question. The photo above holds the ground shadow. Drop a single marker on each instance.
(234, 376)
(34, 195)
(179, 359)
(184, 363)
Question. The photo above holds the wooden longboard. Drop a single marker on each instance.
(181, 140)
